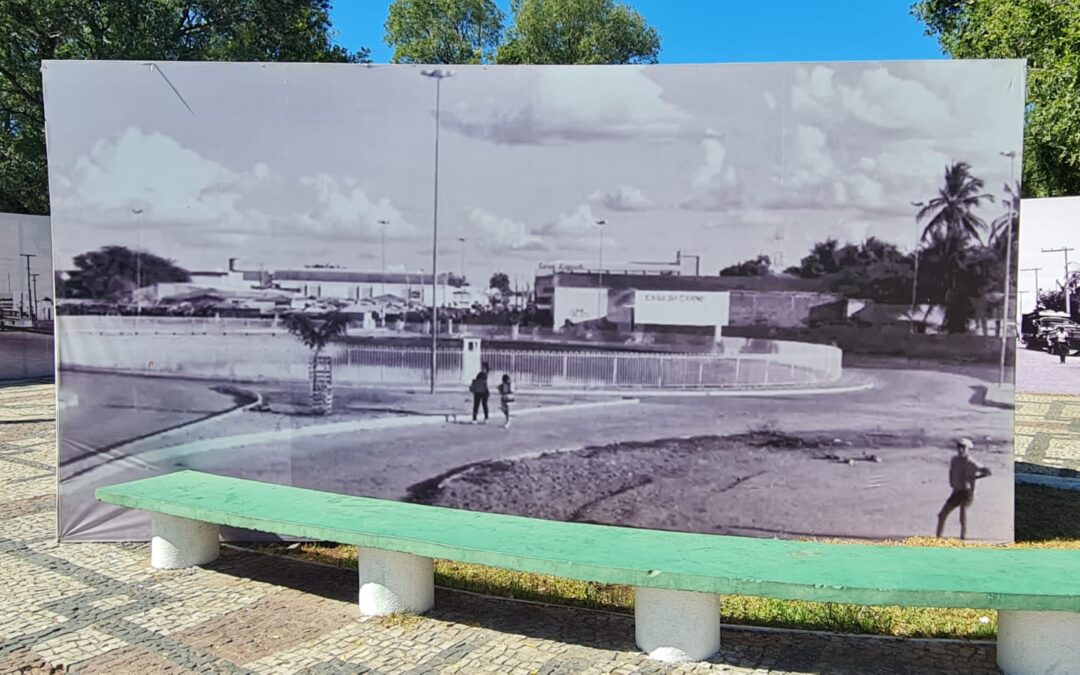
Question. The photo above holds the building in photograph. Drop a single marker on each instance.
(643, 298)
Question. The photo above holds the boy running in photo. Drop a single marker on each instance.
(963, 472)
(506, 397)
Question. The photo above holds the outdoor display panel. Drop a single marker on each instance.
(1049, 264)
(26, 298)
(247, 266)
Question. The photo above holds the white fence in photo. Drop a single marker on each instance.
(236, 356)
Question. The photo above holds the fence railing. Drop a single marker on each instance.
(234, 357)
(791, 364)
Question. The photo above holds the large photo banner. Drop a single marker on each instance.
(26, 298)
(762, 300)
(1049, 308)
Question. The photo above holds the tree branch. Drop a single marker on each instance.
(23, 91)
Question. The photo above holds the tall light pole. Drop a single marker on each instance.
(1011, 155)
(1036, 271)
(1065, 250)
(438, 75)
(30, 294)
(382, 244)
(138, 262)
(915, 279)
(462, 241)
(33, 304)
(600, 313)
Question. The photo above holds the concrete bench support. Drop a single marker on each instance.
(394, 582)
(179, 542)
(1038, 643)
(676, 626)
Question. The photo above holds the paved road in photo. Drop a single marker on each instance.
(897, 497)
(1039, 372)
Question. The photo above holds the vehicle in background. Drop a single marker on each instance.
(1037, 330)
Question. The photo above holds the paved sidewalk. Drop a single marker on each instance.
(99, 608)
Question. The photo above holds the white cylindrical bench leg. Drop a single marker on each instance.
(676, 626)
(180, 542)
(1038, 642)
(392, 582)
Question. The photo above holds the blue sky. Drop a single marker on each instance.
(703, 31)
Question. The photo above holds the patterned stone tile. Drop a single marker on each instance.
(272, 624)
(198, 605)
(30, 526)
(81, 645)
(131, 659)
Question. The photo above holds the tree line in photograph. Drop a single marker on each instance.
(960, 257)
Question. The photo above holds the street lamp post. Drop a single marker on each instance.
(1011, 155)
(138, 263)
(462, 268)
(438, 75)
(1065, 282)
(915, 279)
(600, 278)
(382, 245)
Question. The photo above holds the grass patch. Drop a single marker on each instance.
(1045, 518)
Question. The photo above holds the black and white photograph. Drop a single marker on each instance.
(26, 298)
(764, 300)
(1049, 292)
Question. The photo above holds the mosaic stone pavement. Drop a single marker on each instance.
(99, 608)
(1048, 434)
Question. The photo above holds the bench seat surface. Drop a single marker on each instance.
(1025, 579)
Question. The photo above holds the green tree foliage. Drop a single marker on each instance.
(444, 31)
(757, 267)
(190, 30)
(1047, 34)
(577, 31)
(112, 272)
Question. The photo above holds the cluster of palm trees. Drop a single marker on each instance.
(965, 256)
(959, 261)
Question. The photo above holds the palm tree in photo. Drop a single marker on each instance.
(316, 334)
(951, 225)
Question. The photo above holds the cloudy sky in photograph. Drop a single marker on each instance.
(288, 165)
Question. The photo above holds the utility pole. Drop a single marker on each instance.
(1036, 271)
(28, 281)
(601, 313)
(382, 238)
(1011, 156)
(33, 304)
(1065, 283)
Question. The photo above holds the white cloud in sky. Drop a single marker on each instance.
(166, 181)
(574, 103)
(622, 198)
(343, 207)
(574, 231)
(495, 233)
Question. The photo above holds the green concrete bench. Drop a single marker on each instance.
(677, 576)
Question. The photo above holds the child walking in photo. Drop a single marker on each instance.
(506, 397)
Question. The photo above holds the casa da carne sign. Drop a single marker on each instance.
(682, 308)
